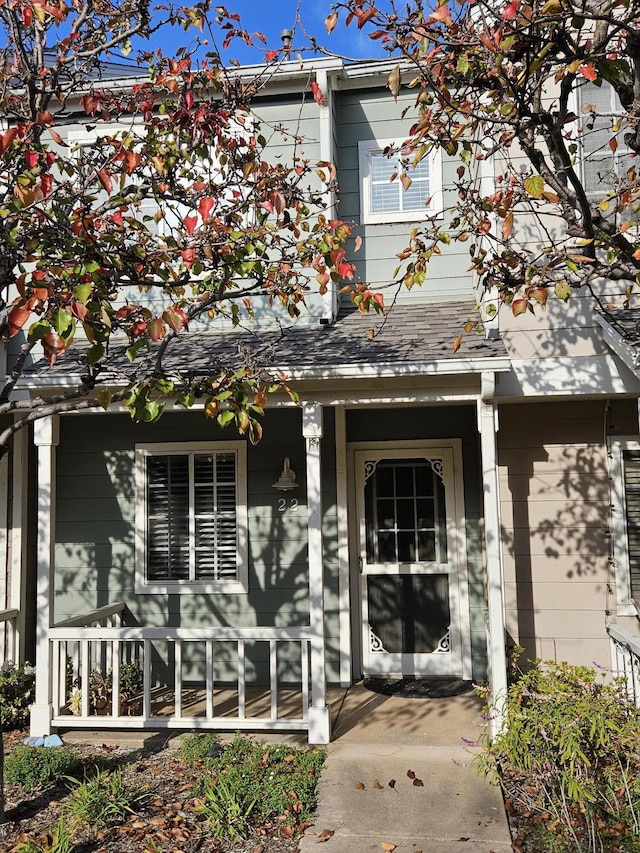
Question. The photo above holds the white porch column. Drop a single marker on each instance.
(46, 438)
(7, 652)
(319, 724)
(496, 643)
(14, 510)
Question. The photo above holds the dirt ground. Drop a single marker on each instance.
(166, 821)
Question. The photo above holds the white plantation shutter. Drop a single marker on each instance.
(632, 507)
(192, 515)
(168, 518)
(215, 544)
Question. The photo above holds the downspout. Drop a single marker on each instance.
(496, 640)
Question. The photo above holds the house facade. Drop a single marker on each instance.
(420, 511)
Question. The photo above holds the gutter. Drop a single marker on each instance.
(440, 367)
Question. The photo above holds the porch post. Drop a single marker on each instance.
(13, 500)
(7, 651)
(46, 438)
(319, 724)
(496, 641)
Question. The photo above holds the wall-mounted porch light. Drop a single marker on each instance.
(287, 479)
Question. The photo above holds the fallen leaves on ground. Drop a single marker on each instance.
(166, 822)
(325, 835)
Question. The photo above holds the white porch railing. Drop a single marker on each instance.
(625, 660)
(217, 694)
(9, 635)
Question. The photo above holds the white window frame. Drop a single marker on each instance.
(148, 587)
(625, 605)
(376, 147)
(613, 163)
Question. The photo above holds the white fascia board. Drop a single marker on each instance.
(441, 367)
(614, 340)
(288, 76)
(374, 71)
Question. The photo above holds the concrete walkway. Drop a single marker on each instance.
(370, 797)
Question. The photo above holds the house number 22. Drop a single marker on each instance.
(291, 505)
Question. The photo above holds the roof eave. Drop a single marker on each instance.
(629, 354)
(438, 367)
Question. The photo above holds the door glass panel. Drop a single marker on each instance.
(405, 512)
(409, 614)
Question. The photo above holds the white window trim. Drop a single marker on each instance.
(145, 587)
(625, 606)
(369, 217)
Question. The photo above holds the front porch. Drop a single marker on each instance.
(179, 678)
(301, 589)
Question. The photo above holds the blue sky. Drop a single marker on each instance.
(270, 17)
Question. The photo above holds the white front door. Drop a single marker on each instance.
(412, 560)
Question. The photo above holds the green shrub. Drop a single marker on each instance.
(39, 765)
(571, 754)
(17, 694)
(197, 747)
(97, 802)
(258, 782)
(227, 808)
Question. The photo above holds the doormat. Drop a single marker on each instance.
(419, 688)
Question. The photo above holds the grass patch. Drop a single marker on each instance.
(102, 800)
(251, 784)
(32, 766)
(139, 800)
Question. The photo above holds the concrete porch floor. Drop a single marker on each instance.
(396, 720)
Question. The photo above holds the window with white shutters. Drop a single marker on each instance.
(394, 187)
(632, 518)
(624, 473)
(191, 518)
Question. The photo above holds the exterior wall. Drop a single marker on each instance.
(396, 424)
(562, 330)
(555, 499)
(95, 554)
(373, 114)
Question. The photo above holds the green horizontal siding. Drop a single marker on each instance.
(95, 556)
(375, 115)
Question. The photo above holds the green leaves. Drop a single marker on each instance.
(534, 185)
(571, 740)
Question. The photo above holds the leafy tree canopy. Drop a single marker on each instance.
(542, 97)
(172, 205)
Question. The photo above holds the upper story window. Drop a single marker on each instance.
(392, 188)
(191, 518)
(625, 522)
(604, 163)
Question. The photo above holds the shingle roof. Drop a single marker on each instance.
(416, 334)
